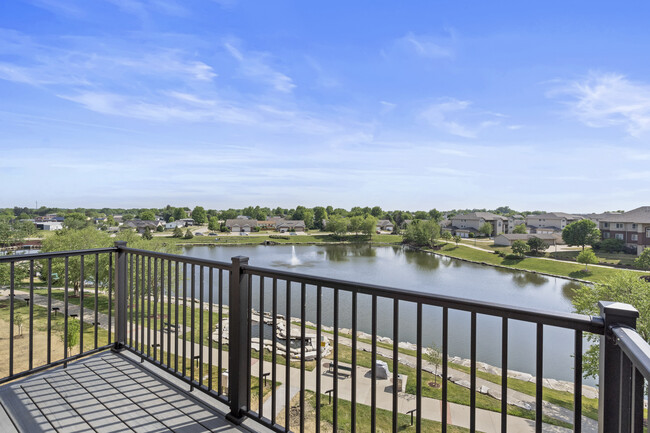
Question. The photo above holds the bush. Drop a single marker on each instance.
(612, 245)
(188, 234)
(471, 235)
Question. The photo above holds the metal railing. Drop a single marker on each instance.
(194, 318)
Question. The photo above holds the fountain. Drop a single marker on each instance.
(295, 261)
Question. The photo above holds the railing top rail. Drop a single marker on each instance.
(178, 258)
(54, 255)
(634, 347)
(574, 321)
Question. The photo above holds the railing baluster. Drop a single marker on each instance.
(303, 304)
(472, 395)
(169, 314)
(395, 360)
(184, 318)
(110, 298)
(201, 288)
(319, 323)
(540, 378)
(353, 412)
(219, 360)
(274, 364)
(133, 303)
(65, 308)
(239, 350)
(154, 287)
(49, 310)
(161, 320)
(577, 383)
(149, 287)
(176, 289)
(142, 308)
(636, 416)
(260, 372)
(31, 314)
(210, 325)
(249, 343)
(445, 359)
(373, 388)
(122, 300)
(335, 416)
(287, 354)
(418, 402)
(82, 278)
(96, 296)
(192, 321)
(504, 375)
(12, 276)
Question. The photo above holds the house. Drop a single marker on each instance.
(270, 223)
(385, 225)
(172, 225)
(597, 217)
(241, 225)
(49, 225)
(291, 225)
(506, 239)
(632, 227)
(514, 221)
(188, 221)
(549, 223)
(464, 224)
(140, 226)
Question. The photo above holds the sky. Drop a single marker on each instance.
(406, 105)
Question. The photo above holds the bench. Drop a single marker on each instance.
(168, 327)
(341, 368)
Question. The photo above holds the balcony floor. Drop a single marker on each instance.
(107, 392)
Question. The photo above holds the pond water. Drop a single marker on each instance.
(413, 270)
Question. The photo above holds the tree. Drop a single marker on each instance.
(581, 233)
(147, 234)
(178, 233)
(179, 213)
(213, 224)
(457, 239)
(643, 261)
(423, 233)
(369, 225)
(435, 215)
(199, 215)
(446, 235)
(624, 287)
(376, 211)
(433, 356)
(486, 229)
(18, 321)
(520, 229)
(75, 221)
(520, 248)
(320, 215)
(147, 215)
(188, 234)
(355, 224)
(72, 334)
(588, 258)
(160, 228)
(337, 225)
(536, 245)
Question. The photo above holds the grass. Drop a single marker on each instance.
(529, 263)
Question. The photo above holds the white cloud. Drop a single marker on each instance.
(607, 99)
(255, 65)
(425, 46)
(439, 114)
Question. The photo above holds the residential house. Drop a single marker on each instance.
(241, 225)
(188, 221)
(464, 224)
(549, 223)
(291, 225)
(270, 223)
(49, 225)
(514, 221)
(632, 227)
(140, 226)
(597, 217)
(506, 239)
(385, 226)
(172, 225)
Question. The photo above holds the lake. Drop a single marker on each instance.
(413, 270)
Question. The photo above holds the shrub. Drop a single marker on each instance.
(612, 245)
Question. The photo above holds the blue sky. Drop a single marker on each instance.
(409, 105)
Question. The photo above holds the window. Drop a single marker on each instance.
(634, 237)
(619, 236)
(606, 225)
(633, 226)
(606, 235)
(647, 232)
(619, 225)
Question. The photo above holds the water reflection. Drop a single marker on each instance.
(422, 261)
(523, 279)
(570, 288)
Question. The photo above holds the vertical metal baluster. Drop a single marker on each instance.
(96, 296)
(445, 357)
(110, 297)
(219, 360)
(31, 314)
(49, 311)
(176, 289)
(162, 311)
(201, 287)
(192, 326)
(353, 376)
(249, 351)
(274, 364)
(319, 322)
(303, 305)
(169, 314)
(142, 308)
(472, 388)
(395, 359)
(184, 316)
(577, 383)
(504, 375)
(418, 402)
(210, 326)
(154, 286)
(287, 355)
(82, 279)
(132, 303)
(636, 413)
(335, 415)
(65, 309)
(261, 350)
(538, 381)
(149, 287)
(373, 369)
(12, 272)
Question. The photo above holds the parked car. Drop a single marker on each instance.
(243, 234)
(293, 233)
(212, 234)
(198, 234)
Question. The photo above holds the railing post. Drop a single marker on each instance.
(615, 388)
(120, 297)
(238, 340)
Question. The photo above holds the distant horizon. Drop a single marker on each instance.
(417, 105)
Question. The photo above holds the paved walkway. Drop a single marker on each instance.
(486, 421)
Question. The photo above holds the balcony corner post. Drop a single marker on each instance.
(615, 387)
(238, 340)
(121, 297)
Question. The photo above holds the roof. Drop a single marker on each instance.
(556, 215)
(292, 223)
(488, 216)
(517, 217)
(384, 223)
(240, 222)
(525, 237)
(640, 215)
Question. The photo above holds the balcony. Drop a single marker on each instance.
(123, 339)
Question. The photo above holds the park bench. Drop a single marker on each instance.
(341, 369)
(168, 327)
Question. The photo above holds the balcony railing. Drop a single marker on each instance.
(172, 311)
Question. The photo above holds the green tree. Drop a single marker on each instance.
(72, 334)
(643, 261)
(160, 228)
(624, 287)
(485, 229)
(213, 224)
(587, 257)
(435, 215)
(147, 215)
(76, 221)
(337, 225)
(179, 213)
(376, 212)
(520, 248)
(199, 215)
(320, 215)
(433, 355)
(18, 321)
(520, 229)
(355, 224)
(421, 215)
(422, 233)
(536, 245)
(147, 234)
(446, 235)
(188, 234)
(581, 233)
(178, 233)
(457, 239)
(369, 225)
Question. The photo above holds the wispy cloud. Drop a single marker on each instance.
(425, 46)
(608, 99)
(256, 65)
